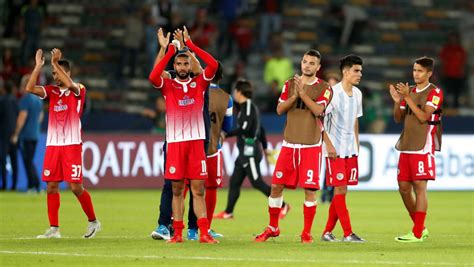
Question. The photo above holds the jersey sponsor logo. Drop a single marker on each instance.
(59, 106)
(279, 174)
(192, 85)
(46, 172)
(186, 101)
(327, 94)
(172, 169)
(435, 100)
(340, 176)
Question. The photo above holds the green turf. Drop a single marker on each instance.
(128, 217)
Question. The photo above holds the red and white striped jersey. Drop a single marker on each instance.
(65, 110)
(184, 108)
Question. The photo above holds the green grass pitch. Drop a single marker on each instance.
(128, 217)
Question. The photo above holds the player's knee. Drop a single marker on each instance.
(404, 190)
(52, 188)
(77, 189)
(340, 190)
(277, 189)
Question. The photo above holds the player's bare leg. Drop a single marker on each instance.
(53, 202)
(84, 198)
(178, 211)
(309, 211)
(416, 207)
(275, 202)
(406, 192)
(197, 189)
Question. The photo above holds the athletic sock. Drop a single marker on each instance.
(53, 209)
(309, 211)
(412, 216)
(274, 209)
(86, 204)
(343, 213)
(203, 225)
(419, 223)
(332, 218)
(211, 198)
(178, 228)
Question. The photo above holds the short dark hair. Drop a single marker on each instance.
(181, 54)
(219, 73)
(66, 64)
(313, 53)
(244, 87)
(349, 61)
(426, 62)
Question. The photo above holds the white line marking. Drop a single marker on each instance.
(206, 258)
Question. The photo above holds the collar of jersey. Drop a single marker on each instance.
(180, 82)
(421, 90)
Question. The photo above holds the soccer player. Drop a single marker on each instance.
(304, 99)
(248, 133)
(221, 117)
(185, 132)
(419, 107)
(63, 157)
(341, 138)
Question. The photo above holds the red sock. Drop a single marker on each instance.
(53, 209)
(86, 203)
(412, 216)
(419, 223)
(309, 213)
(343, 213)
(332, 218)
(274, 216)
(211, 198)
(178, 228)
(203, 225)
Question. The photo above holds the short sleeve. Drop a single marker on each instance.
(359, 105)
(47, 91)
(325, 97)
(435, 98)
(403, 104)
(24, 103)
(284, 93)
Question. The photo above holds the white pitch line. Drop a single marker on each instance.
(207, 258)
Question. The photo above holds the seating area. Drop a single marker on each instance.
(398, 31)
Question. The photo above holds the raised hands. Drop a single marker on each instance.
(186, 36)
(394, 94)
(55, 55)
(403, 89)
(298, 85)
(39, 59)
(162, 39)
(178, 36)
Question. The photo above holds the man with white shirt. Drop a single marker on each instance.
(419, 107)
(341, 138)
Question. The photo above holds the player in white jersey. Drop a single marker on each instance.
(342, 145)
(63, 158)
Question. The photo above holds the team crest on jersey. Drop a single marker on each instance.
(46, 172)
(172, 169)
(192, 85)
(279, 174)
(59, 106)
(340, 176)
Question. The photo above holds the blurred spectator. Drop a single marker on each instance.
(27, 132)
(334, 23)
(9, 69)
(270, 19)
(332, 77)
(376, 112)
(242, 32)
(278, 68)
(162, 12)
(238, 74)
(204, 32)
(8, 115)
(151, 42)
(227, 12)
(355, 20)
(9, 12)
(133, 39)
(466, 28)
(453, 60)
(157, 115)
(31, 22)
